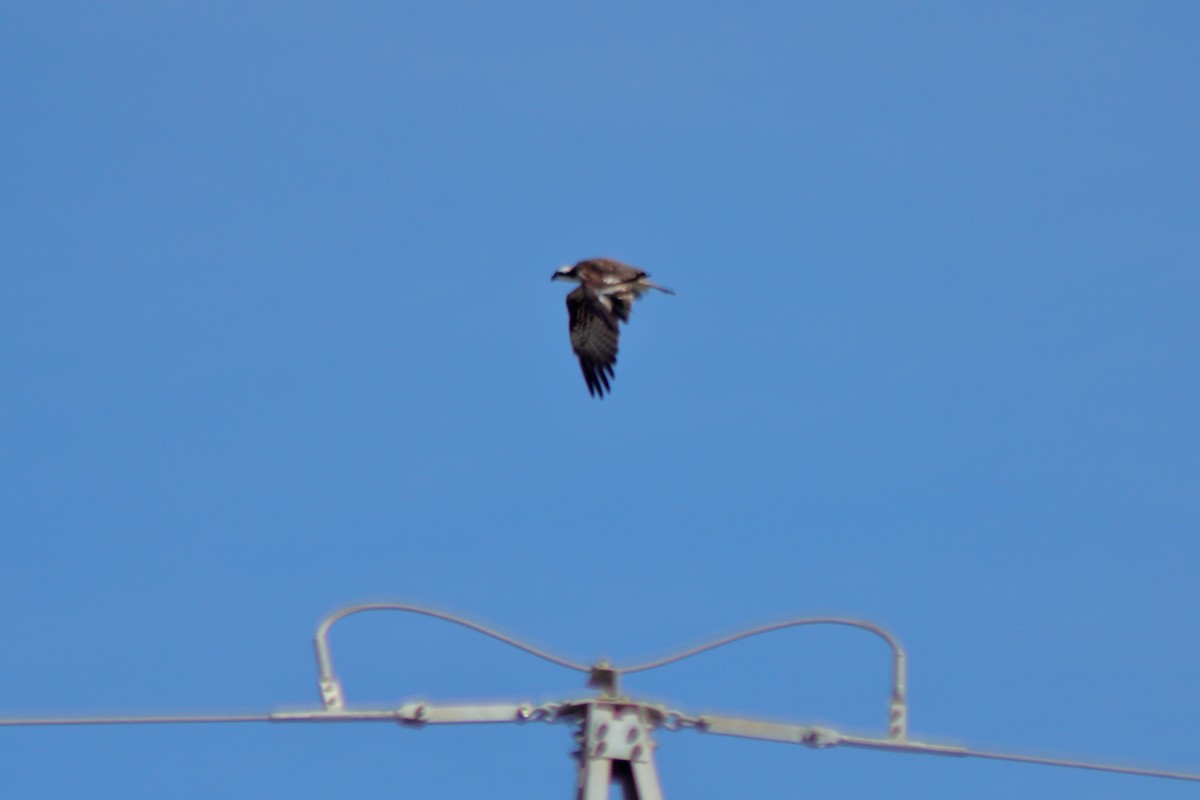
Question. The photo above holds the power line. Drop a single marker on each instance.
(614, 730)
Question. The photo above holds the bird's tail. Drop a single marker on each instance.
(652, 285)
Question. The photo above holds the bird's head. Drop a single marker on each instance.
(570, 272)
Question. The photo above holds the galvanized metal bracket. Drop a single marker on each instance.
(616, 746)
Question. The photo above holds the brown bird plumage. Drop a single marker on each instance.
(604, 298)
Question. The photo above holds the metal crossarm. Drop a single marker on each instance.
(614, 731)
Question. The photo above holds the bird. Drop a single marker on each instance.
(607, 289)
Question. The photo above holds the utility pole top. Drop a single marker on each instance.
(614, 731)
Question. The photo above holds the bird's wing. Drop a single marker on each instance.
(593, 338)
(621, 303)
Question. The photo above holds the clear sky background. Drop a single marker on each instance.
(277, 335)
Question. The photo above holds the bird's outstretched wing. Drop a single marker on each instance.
(593, 338)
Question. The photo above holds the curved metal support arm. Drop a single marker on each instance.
(898, 711)
(332, 696)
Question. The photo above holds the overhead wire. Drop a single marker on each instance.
(333, 712)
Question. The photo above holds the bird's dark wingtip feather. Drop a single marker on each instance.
(595, 377)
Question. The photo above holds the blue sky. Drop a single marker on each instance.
(277, 335)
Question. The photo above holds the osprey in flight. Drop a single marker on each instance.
(605, 296)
